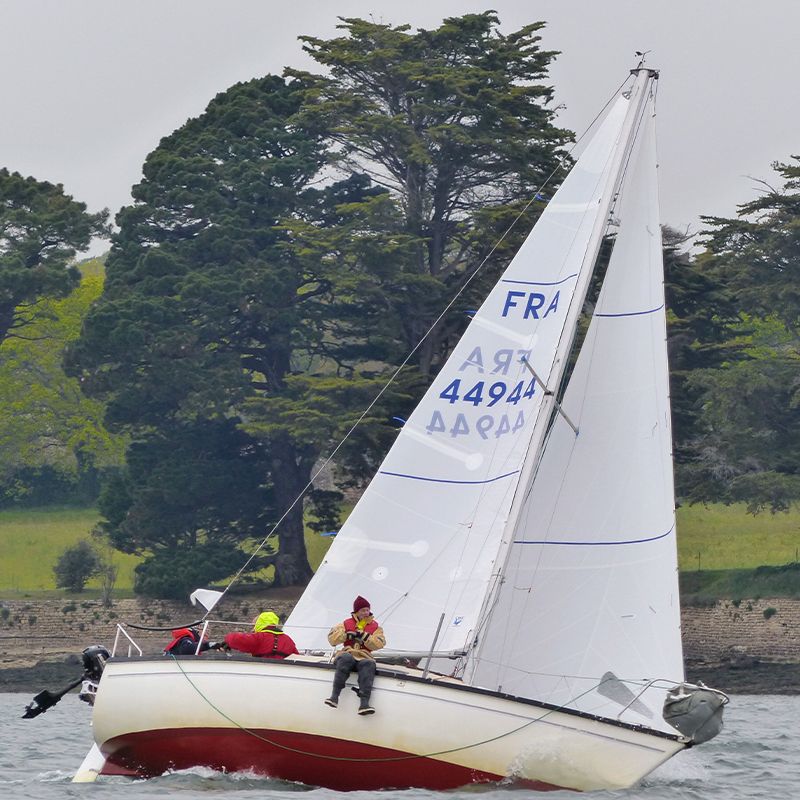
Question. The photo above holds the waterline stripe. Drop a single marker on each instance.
(633, 313)
(443, 480)
(597, 544)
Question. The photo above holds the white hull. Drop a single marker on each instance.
(268, 716)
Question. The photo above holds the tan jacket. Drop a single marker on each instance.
(358, 649)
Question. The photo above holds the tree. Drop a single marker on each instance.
(454, 123)
(207, 303)
(252, 294)
(75, 566)
(701, 318)
(749, 448)
(41, 229)
(50, 427)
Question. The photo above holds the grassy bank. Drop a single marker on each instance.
(704, 587)
(32, 540)
(718, 537)
(719, 551)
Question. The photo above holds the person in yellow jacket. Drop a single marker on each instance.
(360, 636)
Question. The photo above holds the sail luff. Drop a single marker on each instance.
(638, 97)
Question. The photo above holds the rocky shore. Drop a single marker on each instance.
(747, 647)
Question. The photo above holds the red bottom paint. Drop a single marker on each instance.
(312, 760)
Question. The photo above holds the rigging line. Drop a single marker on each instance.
(656, 683)
(417, 346)
(384, 759)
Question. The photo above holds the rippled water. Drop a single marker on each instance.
(756, 756)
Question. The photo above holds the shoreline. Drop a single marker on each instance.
(737, 647)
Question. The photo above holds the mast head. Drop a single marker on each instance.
(642, 55)
(654, 73)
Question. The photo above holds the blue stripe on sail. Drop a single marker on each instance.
(632, 313)
(598, 544)
(541, 283)
(444, 480)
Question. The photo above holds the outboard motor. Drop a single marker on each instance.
(94, 661)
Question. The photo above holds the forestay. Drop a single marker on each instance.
(590, 588)
(424, 538)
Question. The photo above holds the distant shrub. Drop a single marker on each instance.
(699, 601)
(32, 619)
(69, 607)
(5, 613)
(75, 566)
(770, 612)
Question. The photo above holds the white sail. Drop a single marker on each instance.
(423, 540)
(590, 589)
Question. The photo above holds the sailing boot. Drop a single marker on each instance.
(366, 677)
(340, 675)
(364, 707)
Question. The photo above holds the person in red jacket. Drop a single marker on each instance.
(266, 641)
(185, 643)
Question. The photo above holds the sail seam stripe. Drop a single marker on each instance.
(632, 313)
(541, 283)
(593, 544)
(447, 480)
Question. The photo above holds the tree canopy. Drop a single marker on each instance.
(266, 272)
(50, 430)
(455, 123)
(747, 445)
(41, 229)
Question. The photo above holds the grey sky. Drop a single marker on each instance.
(88, 87)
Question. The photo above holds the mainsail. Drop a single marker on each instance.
(423, 541)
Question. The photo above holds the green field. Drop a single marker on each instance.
(32, 540)
(718, 537)
(712, 540)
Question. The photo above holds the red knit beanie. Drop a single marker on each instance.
(359, 603)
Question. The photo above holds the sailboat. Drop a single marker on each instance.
(517, 544)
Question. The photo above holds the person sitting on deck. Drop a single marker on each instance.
(360, 636)
(266, 641)
(184, 643)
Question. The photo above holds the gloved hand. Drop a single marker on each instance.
(217, 646)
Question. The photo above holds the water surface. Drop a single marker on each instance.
(757, 755)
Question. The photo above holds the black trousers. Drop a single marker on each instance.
(345, 664)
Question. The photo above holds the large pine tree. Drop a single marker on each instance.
(276, 257)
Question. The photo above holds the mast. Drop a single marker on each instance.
(639, 93)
